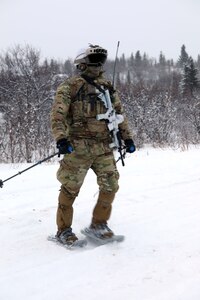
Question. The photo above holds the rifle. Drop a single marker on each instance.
(113, 120)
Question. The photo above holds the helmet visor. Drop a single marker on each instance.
(97, 58)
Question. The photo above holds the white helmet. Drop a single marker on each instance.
(92, 56)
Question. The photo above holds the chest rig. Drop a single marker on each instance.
(86, 101)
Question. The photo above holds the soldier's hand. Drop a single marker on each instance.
(130, 147)
(64, 146)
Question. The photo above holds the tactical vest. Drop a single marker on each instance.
(85, 106)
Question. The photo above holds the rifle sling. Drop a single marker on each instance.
(91, 81)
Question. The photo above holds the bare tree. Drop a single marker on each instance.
(26, 93)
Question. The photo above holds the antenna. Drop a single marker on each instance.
(115, 62)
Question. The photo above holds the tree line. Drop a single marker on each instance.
(161, 99)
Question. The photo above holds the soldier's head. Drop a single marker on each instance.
(91, 60)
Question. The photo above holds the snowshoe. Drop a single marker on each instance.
(101, 234)
(67, 239)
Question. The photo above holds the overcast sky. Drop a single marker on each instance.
(59, 28)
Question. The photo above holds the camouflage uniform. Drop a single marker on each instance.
(73, 116)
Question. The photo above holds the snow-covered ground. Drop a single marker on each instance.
(157, 208)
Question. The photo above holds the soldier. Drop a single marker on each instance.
(85, 142)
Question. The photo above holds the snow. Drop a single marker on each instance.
(157, 207)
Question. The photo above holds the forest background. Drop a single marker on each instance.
(161, 98)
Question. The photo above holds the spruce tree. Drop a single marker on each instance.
(138, 65)
(183, 58)
(190, 78)
(162, 60)
(138, 59)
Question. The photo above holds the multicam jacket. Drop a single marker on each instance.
(76, 106)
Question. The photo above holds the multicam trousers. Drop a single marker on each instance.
(88, 153)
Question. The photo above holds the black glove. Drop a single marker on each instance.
(130, 147)
(64, 146)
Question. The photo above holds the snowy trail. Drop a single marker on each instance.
(157, 208)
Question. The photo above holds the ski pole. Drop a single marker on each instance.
(19, 173)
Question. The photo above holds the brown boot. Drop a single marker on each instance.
(102, 210)
(101, 231)
(65, 210)
(66, 237)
